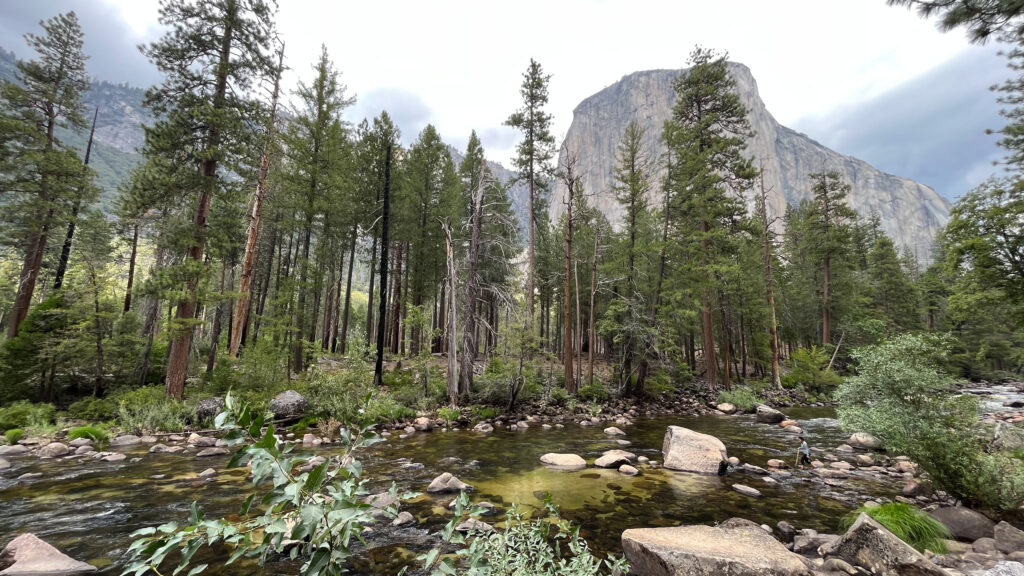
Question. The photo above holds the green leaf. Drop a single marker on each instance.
(319, 561)
(247, 504)
(316, 477)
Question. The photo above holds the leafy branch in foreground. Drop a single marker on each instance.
(301, 507)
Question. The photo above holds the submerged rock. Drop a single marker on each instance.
(726, 408)
(871, 546)
(737, 548)
(746, 490)
(422, 424)
(613, 431)
(474, 525)
(569, 462)
(28, 555)
(628, 470)
(483, 427)
(12, 450)
(689, 451)
(214, 451)
(125, 440)
(403, 519)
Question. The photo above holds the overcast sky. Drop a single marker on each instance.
(865, 79)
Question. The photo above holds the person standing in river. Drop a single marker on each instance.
(805, 452)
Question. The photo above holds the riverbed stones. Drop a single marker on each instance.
(614, 459)
(447, 483)
(125, 440)
(1008, 538)
(165, 449)
(808, 544)
(113, 457)
(726, 408)
(288, 404)
(787, 423)
(80, 442)
(871, 546)
(689, 451)
(208, 473)
(201, 441)
(422, 424)
(28, 554)
(484, 427)
(568, 462)
(613, 431)
(13, 450)
(628, 470)
(212, 451)
(1005, 568)
(747, 490)
(738, 549)
(54, 450)
(4, 464)
(474, 525)
(776, 463)
(769, 415)
(864, 441)
(403, 519)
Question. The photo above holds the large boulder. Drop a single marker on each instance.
(689, 451)
(864, 441)
(4, 464)
(726, 408)
(1008, 538)
(125, 440)
(614, 459)
(208, 408)
(769, 415)
(447, 483)
(288, 404)
(871, 546)
(28, 555)
(735, 548)
(423, 424)
(965, 524)
(1004, 568)
(569, 462)
(12, 450)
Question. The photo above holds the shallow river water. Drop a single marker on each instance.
(88, 508)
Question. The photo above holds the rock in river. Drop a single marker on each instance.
(12, 450)
(864, 441)
(447, 483)
(769, 415)
(614, 459)
(746, 490)
(726, 408)
(568, 462)
(613, 431)
(29, 555)
(871, 546)
(737, 548)
(689, 451)
(54, 450)
(125, 440)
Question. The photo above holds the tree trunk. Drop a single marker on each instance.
(710, 361)
(453, 353)
(826, 311)
(211, 358)
(65, 252)
(570, 381)
(177, 364)
(131, 269)
(469, 331)
(348, 290)
(378, 369)
(241, 316)
(592, 343)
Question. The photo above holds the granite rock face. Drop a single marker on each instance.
(911, 213)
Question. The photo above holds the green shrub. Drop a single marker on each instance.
(742, 397)
(13, 435)
(449, 414)
(149, 409)
(346, 397)
(558, 396)
(808, 369)
(908, 523)
(25, 414)
(485, 412)
(93, 409)
(596, 392)
(902, 396)
(94, 433)
(658, 385)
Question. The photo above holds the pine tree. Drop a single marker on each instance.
(832, 219)
(982, 18)
(44, 176)
(533, 158)
(213, 55)
(707, 135)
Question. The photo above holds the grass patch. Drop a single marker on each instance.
(13, 435)
(94, 433)
(908, 523)
(24, 414)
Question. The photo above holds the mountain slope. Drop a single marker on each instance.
(911, 213)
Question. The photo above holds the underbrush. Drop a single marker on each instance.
(347, 397)
(94, 433)
(25, 414)
(908, 523)
(149, 409)
(742, 397)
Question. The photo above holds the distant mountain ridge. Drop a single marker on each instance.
(911, 213)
